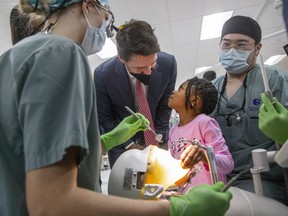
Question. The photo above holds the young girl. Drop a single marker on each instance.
(194, 101)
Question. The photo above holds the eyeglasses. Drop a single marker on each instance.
(110, 19)
(238, 45)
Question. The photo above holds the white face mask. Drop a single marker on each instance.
(94, 38)
(234, 61)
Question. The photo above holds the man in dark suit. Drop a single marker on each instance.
(139, 58)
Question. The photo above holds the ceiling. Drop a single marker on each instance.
(178, 25)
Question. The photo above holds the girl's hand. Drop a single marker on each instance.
(191, 156)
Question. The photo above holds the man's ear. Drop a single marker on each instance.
(258, 48)
(121, 60)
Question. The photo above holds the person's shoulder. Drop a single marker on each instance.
(276, 71)
(218, 80)
(40, 46)
(49, 39)
(203, 118)
(59, 42)
(111, 61)
(107, 65)
(165, 56)
(166, 63)
(50, 44)
(206, 120)
(270, 69)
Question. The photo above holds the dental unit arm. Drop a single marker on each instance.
(262, 158)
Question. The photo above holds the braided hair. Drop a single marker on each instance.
(205, 90)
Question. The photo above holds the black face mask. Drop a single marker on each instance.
(142, 78)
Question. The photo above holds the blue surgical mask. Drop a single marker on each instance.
(234, 61)
(94, 38)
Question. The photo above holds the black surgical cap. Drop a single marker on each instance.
(242, 25)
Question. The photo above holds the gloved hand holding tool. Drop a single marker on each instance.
(127, 128)
(273, 119)
(202, 200)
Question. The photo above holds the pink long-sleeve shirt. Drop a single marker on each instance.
(207, 131)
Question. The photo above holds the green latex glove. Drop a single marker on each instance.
(273, 119)
(127, 128)
(202, 200)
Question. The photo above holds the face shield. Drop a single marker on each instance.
(146, 174)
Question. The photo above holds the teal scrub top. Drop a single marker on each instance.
(238, 119)
(47, 104)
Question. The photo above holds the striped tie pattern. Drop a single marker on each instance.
(143, 108)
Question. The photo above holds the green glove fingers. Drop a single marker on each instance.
(144, 119)
(127, 128)
(202, 200)
(268, 106)
(217, 187)
(273, 119)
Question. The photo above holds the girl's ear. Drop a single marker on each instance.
(192, 102)
(197, 100)
(194, 99)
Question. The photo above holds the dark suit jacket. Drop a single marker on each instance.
(114, 92)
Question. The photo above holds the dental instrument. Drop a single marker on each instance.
(265, 80)
(232, 181)
(158, 137)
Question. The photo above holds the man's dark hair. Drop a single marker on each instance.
(136, 37)
(209, 75)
